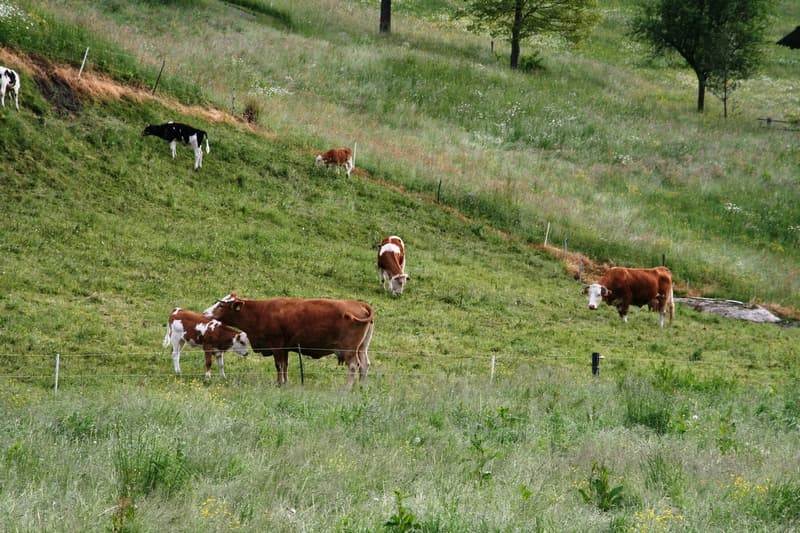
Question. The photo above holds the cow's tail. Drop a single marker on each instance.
(208, 148)
(671, 304)
(168, 336)
(367, 319)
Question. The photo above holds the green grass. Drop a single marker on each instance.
(604, 144)
(103, 234)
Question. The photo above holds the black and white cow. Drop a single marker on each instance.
(174, 132)
(9, 81)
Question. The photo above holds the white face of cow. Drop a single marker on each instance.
(596, 293)
(398, 283)
(241, 344)
(209, 313)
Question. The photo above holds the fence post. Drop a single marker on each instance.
(596, 363)
(163, 62)
(58, 364)
(663, 259)
(300, 358)
(83, 63)
(546, 234)
(439, 192)
(494, 360)
(565, 248)
(233, 104)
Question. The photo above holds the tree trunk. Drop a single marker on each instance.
(701, 93)
(515, 33)
(386, 16)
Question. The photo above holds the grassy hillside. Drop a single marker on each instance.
(604, 143)
(103, 234)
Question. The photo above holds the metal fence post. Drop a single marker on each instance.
(58, 365)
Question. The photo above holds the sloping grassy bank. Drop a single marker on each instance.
(603, 143)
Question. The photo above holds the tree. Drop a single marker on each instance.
(719, 39)
(385, 25)
(517, 20)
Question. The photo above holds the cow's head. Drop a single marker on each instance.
(148, 130)
(241, 344)
(597, 293)
(398, 283)
(225, 309)
(319, 160)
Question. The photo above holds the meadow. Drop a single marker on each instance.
(604, 143)
(694, 427)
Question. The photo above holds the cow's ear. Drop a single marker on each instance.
(605, 291)
(585, 289)
(237, 306)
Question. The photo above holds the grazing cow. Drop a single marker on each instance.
(339, 157)
(392, 264)
(313, 327)
(174, 132)
(9, 81)
(623, 287)
(215, 337)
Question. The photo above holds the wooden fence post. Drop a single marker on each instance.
(596, 363)
(58, 364)
(163, 62)
(302, 373)
(83, 63)
(546, 234)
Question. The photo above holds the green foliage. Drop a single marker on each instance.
(779, 503)
(665, 476)
(283, 17)
(726, 433)
(403, 520)
(531, 62)
(600, 491)
(144, 464)
(719, 39)
(646, 405)
(518, 20)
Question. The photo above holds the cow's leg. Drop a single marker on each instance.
(662, 315)
(352, 367)
(176, 355)
(3, 84)
(623, 312)
(172, 144)
(349, 166)
(16, 99)
(281, 365)
(208, 354)
(221, 364)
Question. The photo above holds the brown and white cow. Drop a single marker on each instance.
(339, 157)
(313, 327)
(623, 287)
(392, 264)
(215, 337)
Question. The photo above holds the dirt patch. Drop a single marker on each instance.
(59, 93)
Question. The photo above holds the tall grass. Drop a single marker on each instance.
(601, 144)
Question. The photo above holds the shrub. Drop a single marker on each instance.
(647, 406)
(143, 465)
(531, 63)
(403, 519)
(599, 490)
(252, 110)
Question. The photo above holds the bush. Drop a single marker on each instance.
(599, 490)
(647, 406)
(531, 63)
(252, 110)
(143, 465)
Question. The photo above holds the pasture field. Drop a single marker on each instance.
(604, 143)
(695, 427)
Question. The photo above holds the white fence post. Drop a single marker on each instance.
(83, 63)
(546, 234)
(494, 360)
(58, 365)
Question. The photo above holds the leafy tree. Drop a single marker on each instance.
(719, 39)
(517, 20)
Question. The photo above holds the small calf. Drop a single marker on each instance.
(392, 264)
(215, 337)
(9, 81)
(339, 157)
(174, 132)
